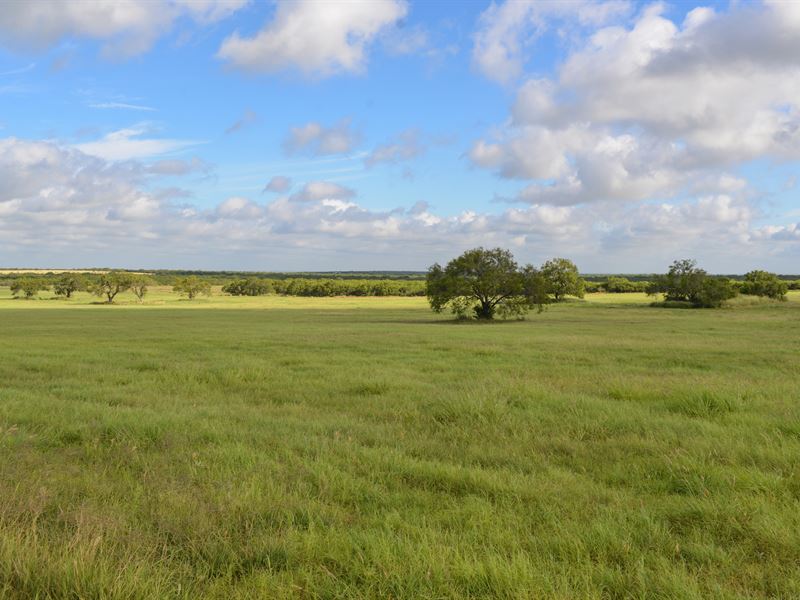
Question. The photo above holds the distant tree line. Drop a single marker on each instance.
(556, 280)
(325, 287)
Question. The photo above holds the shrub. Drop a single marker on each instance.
(248, 287)
(685, 282)
(622, 285)
(762, 283)
(714, 291)
(29, 287)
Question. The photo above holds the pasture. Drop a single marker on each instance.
(278, 447)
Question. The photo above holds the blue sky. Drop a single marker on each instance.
(622, 135)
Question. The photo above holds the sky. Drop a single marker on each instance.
(392, 134)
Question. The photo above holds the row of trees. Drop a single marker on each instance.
(104, 285)
(325, 287)
(483, 283)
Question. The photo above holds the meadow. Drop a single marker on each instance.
(284, 447)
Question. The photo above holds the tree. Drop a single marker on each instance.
(563, 278)
(714, 291)
(682, 282)
(248, 287)
(623, 285)
(685, 282)
(485, 283)
(28, 287)
(192, 286)
(69, 283)
(763, 283)
(139, 285)
(110, 284)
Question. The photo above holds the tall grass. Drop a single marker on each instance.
(365, 448)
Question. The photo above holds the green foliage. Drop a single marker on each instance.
(67, 284)
(322, 287)
(28, 287)
(622, 285)
(685, 282)
(714, 291)
(563, 278)
(763, 283)
(139, 285)
(482, 283)
(248, 287)
(192, 286)
(110, 284)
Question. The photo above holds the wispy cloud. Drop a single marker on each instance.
(122, 106)
(248, 118)
(127, 144)
(18, 71)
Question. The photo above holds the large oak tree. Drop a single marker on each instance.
(484, 283)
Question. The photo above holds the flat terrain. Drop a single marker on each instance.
(367, 448)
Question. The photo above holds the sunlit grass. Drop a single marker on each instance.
(367, 448)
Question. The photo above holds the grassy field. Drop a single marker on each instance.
(367, 448)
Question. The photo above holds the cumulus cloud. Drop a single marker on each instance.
(278, 184)
(655, 109)
(316, 139)
(178, 166)
(322, 190)
(61, 202)
(318, 37)
(127, 27)
(506, 30)
(406, 146)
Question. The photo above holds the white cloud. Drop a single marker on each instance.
(318, 37)
(656, 109)
(239, 208)
(179, 166)
(129, 27)
(126, 144)
(406, 146)
(508, 29)
(278, 184)
(122, 105)
(59, 204)
(322, 190)
(316, 139)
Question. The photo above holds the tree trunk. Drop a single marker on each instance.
(484, 311)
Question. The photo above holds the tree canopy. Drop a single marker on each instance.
(763, 283)
(192, 286)
(69, 283)
(686, 282)
(110, 284)
(29, 287)
(484, 283)
(563, 278)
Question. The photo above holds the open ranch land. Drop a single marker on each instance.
(366, 448)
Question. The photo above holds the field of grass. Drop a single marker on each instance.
(366, 448)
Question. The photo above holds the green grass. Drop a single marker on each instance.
(366, 448)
